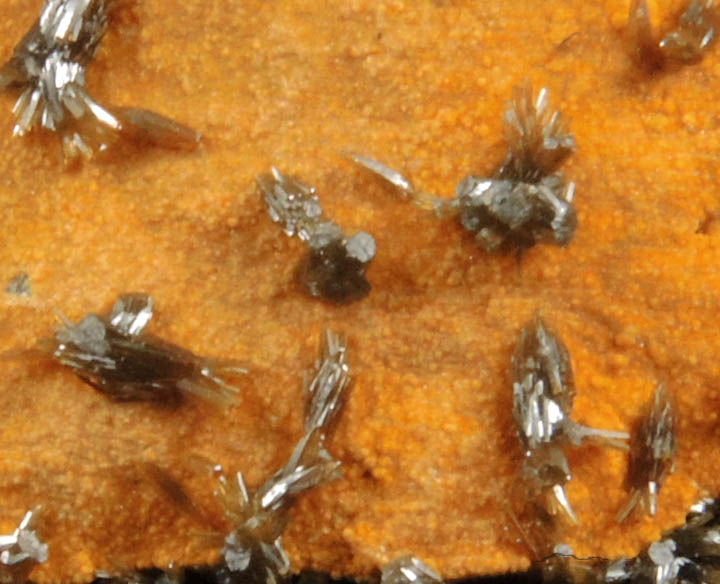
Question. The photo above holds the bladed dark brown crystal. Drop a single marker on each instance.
(116, 356)
(652, 453)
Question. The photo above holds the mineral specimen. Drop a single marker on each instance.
(335, 267)
(325, 387)
(652, 454)
(19, 285)
(253, 550)
(689, 554)
(117, 357)
(392, 176)
(408, 570)
(543, 393)
(697, 543)
(687, 42)
(147, 127)
(436, 341)
(526, 200)
(21, 550)
(694, 32)
(49, 64)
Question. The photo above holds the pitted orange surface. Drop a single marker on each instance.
(427, 440)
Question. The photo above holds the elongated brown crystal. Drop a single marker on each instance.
(694, 32)
(543, 384)
(147, 127)
(538, 137)
(652, 454)
(19, 285)
(325, 387)
(116, 356)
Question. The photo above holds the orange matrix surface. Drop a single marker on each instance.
(427, 440)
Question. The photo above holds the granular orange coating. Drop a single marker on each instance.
(427, 440)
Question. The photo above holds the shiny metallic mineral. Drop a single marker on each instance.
(687, 42)
(325, 387)
(335, 267)
(543, 393)
(652, 454)
(49, 64)
(253, 550)
(20, 551)
(689, 554)
(117, 357)
(409, 570)
(526, 200)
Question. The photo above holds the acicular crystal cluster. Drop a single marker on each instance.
(689, 554)
(335, 267)
(117, 357)
(526, 200)
(691, 37)
(49, 64)
(21, 550)
(253, 551)
(652, 454)
(543, 394)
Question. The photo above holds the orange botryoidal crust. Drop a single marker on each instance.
(427, 440)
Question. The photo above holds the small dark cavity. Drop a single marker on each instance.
(19, 285)
(708, 223)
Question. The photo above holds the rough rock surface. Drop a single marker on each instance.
(427, 440)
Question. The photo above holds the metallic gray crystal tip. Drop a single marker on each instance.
(409, 570)
(24, 544)
(385, 172)
(325, 387)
